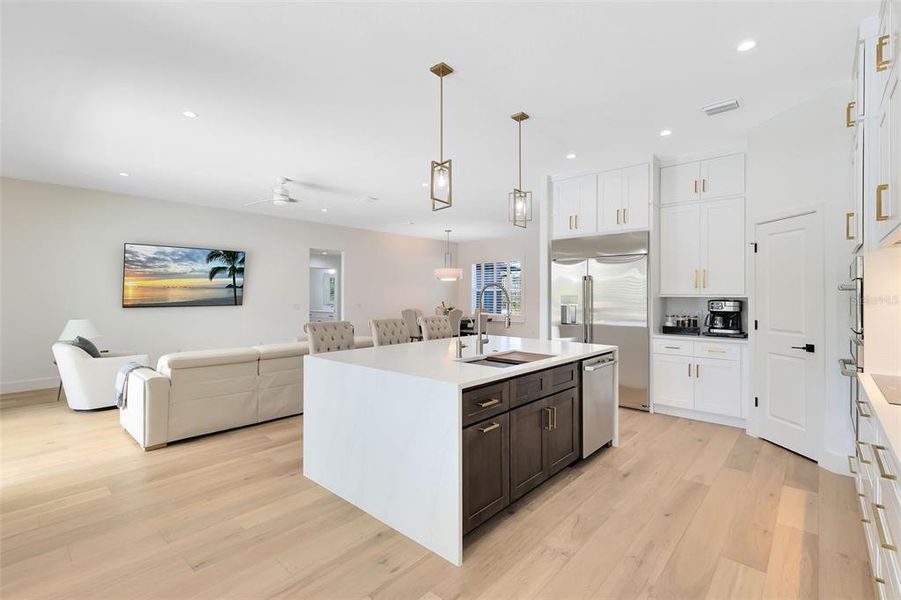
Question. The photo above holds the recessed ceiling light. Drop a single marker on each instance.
(570, 156)
(409, 223)
(190, 114)
(324, 209)
(665, 132)
(324, 253)
(746, 45)
(123, 174)
(424, 184)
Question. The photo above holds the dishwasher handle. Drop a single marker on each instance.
(599, 365)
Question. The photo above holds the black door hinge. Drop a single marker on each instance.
(755, 401)
(755, 324)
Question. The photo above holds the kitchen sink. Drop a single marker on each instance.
(508, 358)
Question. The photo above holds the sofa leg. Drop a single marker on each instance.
(156, 447)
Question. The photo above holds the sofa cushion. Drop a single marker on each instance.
(269, 351)
(86, 345)
(206, 358)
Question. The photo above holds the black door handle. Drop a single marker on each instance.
(805, 348)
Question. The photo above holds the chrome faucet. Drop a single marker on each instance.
(480, 342)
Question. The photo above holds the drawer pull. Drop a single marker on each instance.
(880, 529)
(863, 508)
(715, 351)
(488, 428)
(861, 412)
(851, 465)
(860, 457)
(848, 234)
(487, 403)
(881, 62)
(546, 412)
(849, 122)
(673, 347)
(880, 190)
(880, 464)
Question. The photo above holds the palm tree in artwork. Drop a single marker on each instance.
(233, 265)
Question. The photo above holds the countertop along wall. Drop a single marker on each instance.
(798, 160)
(61, 258)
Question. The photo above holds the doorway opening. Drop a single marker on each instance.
(326, 297)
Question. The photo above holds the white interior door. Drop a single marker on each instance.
(789, 370)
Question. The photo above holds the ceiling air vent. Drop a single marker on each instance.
(720, 107)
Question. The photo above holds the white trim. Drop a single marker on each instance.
(727, 150)
(697, 415)
(27, 385)
(832, 461)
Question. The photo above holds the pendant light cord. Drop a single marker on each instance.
(441, 121)
(520, 155)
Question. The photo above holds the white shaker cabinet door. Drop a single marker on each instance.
(575, 206)
(886, 209)
(610, 201)
(718, 386)
(679, 249)
(637, 197)
(680, 183)
(723, 176)
(674, 381)
(723, 248)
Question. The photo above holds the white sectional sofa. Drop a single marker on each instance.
(200, 392)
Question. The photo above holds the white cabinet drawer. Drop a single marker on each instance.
(714, 350)
(679, 348)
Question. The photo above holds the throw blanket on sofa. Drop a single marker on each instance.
(122, 381)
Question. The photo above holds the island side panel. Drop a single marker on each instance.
(389, 444)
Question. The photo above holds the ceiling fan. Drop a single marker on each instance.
(280, 194)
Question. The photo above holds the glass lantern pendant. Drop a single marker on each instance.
(520, 199)
(440, 178)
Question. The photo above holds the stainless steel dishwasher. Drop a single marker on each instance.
(598, 402)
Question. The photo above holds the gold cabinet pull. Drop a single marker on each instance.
(617, 215)
(860, 457)
(553, 415)
(570, 221)
(697, 371)
(851, 466)
(577, 221)
(694, 279)
(848, 234)
(704, 185)
(882, 63)
(696, 186)
(861, 412)
(689, 369)
(625, 216)
(703, 278)
(716, 351)
(673, 347)
(849, 122)
(862, 499)
(488, 428)
(487, 403)
(883, 472)
(880, 189)
(546, 412)
(880, 529)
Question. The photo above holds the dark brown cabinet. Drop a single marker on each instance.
(486, 470)
(507, 453)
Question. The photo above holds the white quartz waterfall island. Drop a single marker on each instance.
(421, 440)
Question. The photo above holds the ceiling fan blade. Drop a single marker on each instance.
(257, 202)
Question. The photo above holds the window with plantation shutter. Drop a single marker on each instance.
(505, 272)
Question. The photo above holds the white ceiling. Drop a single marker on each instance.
(340, 95)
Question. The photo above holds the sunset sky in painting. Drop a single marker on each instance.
(164, 266)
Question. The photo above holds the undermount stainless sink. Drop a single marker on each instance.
(507, 359)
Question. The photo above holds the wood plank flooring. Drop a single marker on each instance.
(681, 510)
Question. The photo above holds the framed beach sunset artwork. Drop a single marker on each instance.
(156, 276)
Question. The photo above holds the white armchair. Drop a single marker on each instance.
(91, 382)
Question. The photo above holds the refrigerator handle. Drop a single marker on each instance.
(584, 308)
(589, 310)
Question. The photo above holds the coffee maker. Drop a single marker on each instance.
(724, 319)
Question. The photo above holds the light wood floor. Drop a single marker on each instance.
(681, 510)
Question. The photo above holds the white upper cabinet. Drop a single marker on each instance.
(575, 206)
(723, 247)
(616, 200)
(680, 250)
(886, 195)
(723, 176)
(710, 179)
(680, 183)
(887, 45)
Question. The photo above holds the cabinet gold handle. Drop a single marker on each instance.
(715, 351)
(554, 412)
(860, 457)
(617, 216)
(703, 278)
(488, 428)
(625, 216)
(694, 279)
(697, 371)
(487, 403)
(704, 185)
(861, 412)
(862, 499)
(851, 465)
(883, 472)
(546, 412)
(880, 529)
(880, 189)
(577, 221)
(696, 186)
(849, 122)
(673, 347)
(848, 217)
(689, 369)
(881, 62)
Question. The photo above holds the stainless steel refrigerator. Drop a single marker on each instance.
(599, 294)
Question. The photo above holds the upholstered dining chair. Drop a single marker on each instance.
(330, 336)
(387, 332)
(455, 316)
(436, 328)
(411, 318)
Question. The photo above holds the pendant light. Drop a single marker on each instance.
(440, 188)
(520, 199)
(448, 273)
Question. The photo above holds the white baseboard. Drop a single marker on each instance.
(832, 461)
(700, 416)
(26, 385)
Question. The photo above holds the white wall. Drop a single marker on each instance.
(882, 311)
(798, 160)
(521, 244)
(62, 259)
